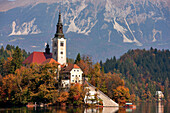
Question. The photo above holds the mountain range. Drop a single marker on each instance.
(98, 28)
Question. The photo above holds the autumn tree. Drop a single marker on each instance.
(63, 97)
(76, 94)
(121, 94)
(9, 86)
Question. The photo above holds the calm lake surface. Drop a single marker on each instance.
(140, 108)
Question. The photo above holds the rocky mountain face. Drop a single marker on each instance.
(99, 28)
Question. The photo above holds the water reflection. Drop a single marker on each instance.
(101, 110)
(160, 108)
(140, 108)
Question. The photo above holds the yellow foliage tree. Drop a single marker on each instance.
(121, 94)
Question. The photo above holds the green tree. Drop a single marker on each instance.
(103, 88)
(2, 61)
(16, 59)
(78, 58)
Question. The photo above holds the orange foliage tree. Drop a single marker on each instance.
(63, 97)
(121, 94)
(9, 86)
(76, 94)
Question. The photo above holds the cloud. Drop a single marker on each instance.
(1, 44)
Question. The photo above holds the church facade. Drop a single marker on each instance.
(71, 73)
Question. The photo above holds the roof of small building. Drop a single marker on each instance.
(69, 68)
(50, 60)
(37, 57)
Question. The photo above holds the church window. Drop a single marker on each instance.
(77, 70)
(79, 80)
(79, 75)
(55, 53)
(72, 80)
(61, 52)
(55, 44)
(62, 44)
(72, 75)
(76, 75)
(74, 70)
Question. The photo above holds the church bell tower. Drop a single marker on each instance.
(59, 43)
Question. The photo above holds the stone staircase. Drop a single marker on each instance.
(107, 102)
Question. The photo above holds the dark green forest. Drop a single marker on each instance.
(144, 71)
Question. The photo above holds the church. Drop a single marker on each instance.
(71, 73)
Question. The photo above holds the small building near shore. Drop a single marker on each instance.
(159, 95)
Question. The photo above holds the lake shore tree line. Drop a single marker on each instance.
(133, 77)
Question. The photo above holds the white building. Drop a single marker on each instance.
(71, 73)
(159, 95)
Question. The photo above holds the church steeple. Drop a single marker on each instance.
(47, 49)
(59, 43)
(59, 32)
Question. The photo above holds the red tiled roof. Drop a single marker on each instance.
(37, 57)
(76, 66)
(50, 60)
(70, 67)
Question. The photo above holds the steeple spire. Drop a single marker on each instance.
(59, 18)
(59, 32)
(47, 49)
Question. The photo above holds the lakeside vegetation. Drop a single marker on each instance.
(144, 72)
(136, 76)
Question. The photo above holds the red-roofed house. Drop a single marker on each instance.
(71, 74)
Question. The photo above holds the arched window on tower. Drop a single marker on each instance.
(62, 44)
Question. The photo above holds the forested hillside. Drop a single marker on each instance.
(144, 71)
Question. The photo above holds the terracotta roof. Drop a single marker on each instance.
(37, 57)
(76, 66)
(50, 60)
(70, 67)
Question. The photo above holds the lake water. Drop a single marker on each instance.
(140, 108)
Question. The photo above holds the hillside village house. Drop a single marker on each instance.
(70, 73)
